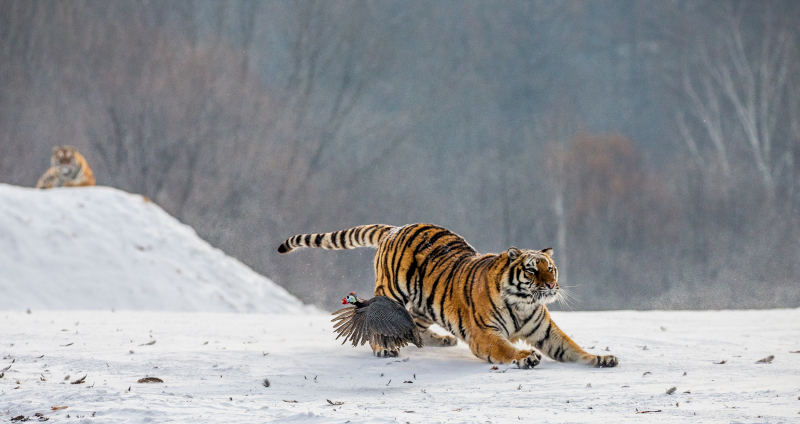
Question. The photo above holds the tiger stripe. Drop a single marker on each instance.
(488, 301)
(363, 236)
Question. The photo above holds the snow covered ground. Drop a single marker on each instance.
(213, 365)
(102, 248)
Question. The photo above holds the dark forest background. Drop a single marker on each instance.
(654, 144)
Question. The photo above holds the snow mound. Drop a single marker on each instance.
(102, 248)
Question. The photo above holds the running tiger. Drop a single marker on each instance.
(68, 168)
(488, 301)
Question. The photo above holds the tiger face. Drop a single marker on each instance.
(64, 158)
(532, 277)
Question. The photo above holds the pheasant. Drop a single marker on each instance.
(380, 320)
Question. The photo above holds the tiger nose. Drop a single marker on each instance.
(550, 284)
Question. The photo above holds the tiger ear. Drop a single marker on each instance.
(513, 253)
(55, 148)
(548, 251)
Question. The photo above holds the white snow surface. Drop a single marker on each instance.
(213, 365)
(102, 248)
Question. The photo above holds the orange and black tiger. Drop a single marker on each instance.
(68, 168)
(489, 301)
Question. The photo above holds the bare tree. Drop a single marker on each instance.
(707, 111)
(338, 51)
(746, 65)
(560, 127)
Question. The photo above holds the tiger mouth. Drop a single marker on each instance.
(544, 294)
(537, 296)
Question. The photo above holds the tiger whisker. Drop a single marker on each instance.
(565, 298)
(569, 298)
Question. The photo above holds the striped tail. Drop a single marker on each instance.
(362, 236)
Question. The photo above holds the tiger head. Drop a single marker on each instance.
(532, 277)
(65, 158)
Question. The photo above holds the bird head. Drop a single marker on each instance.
(350, 299)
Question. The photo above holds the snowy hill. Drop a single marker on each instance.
(102, 248)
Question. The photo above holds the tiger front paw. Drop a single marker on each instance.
(529, 361)
(607, 361)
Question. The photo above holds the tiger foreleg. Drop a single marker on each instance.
(430, 338)
(49, 179)
(551, 341)
(497, 349)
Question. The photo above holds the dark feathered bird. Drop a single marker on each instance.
(379, 320)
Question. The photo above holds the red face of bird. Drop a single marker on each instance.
(350, 298)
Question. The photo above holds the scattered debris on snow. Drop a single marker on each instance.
(767, 360)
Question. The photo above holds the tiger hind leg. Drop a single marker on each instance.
(428, 336)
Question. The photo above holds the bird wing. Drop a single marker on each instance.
(380, 320)
(351, 323)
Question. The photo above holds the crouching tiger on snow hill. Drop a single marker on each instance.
(68, 168)
(489, 301)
